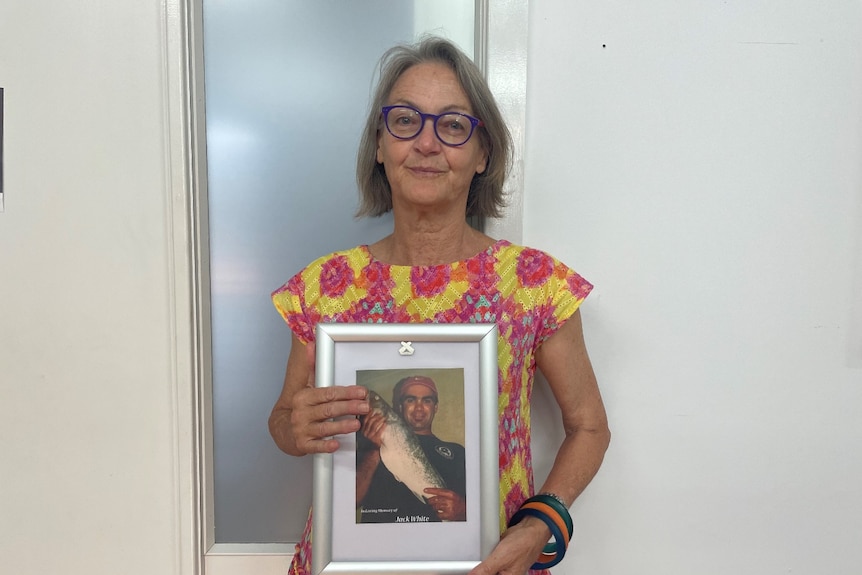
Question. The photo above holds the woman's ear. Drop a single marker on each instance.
(379, 146)
(483, 163)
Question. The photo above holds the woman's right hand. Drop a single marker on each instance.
(306, 418)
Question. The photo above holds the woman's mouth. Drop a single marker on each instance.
(423, 171)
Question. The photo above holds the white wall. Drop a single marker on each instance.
(88, 471)
(702, 169)
(700, 163)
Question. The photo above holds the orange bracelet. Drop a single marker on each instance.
(552, 513)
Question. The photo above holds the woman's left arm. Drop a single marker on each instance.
(564, 362)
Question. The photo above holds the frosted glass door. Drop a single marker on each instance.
(287, 87)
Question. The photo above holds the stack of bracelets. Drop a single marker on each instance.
(550, 509)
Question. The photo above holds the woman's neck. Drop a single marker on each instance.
(426, 242)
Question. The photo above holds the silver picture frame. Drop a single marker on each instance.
(341, 543)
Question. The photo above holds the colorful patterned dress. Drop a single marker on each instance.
(526, 292)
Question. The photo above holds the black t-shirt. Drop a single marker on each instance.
(390, 501)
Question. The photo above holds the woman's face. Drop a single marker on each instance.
(423, 171)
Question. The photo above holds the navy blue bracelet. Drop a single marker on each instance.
(560, 546)
(557, 505)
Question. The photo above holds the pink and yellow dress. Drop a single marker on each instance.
(526, 292)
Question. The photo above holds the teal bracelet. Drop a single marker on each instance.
(557, 505)
(558, 548)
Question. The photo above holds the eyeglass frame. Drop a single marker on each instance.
(474, 123)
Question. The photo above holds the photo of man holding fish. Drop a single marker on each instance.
(405, 473)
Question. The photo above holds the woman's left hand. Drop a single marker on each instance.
(518, 549)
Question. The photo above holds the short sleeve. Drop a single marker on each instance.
(324, 291)
(289, 301)
(566, 290)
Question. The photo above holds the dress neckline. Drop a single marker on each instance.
(493, 249)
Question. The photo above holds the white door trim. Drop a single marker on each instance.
(186, 182)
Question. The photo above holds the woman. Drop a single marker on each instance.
(434, 149)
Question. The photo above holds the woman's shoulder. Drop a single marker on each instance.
(355, 256)
(508, 251)
(534, 268)
(338, 264)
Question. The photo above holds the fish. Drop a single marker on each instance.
(401, 452)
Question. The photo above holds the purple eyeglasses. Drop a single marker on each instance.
(451, 128)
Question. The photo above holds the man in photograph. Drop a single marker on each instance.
(427, 481)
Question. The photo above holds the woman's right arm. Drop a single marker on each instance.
(302, 419)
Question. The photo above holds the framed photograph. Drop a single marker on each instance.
(416, 490)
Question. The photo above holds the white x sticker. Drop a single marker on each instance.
(406, 348)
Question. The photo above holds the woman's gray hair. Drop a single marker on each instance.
(485, 198)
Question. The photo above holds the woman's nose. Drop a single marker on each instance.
(426, 140)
